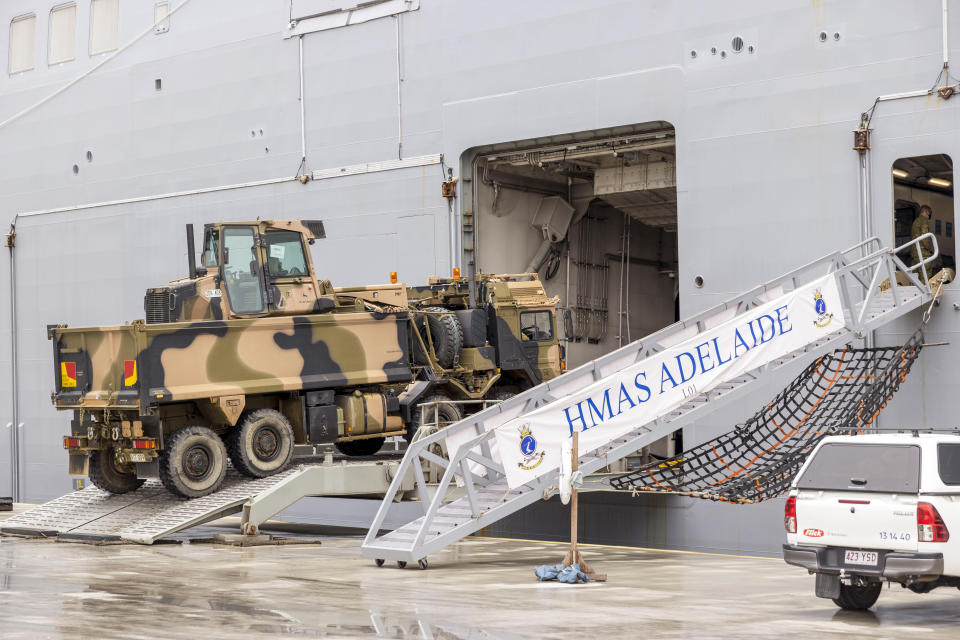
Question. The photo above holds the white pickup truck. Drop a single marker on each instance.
(869, 509)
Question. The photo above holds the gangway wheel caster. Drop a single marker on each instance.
(401, 564)
(379, 562)
(423, 563)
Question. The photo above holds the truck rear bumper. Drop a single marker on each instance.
(893, 565)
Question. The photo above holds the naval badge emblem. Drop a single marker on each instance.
(528, 449)
(820, 306)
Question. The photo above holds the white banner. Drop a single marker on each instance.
(530, 445)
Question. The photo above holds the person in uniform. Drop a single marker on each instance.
(924, 249)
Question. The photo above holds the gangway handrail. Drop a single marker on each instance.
(480, 467)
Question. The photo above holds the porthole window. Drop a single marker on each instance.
(736, 44)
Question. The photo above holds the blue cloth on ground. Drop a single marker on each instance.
(568, 575)
(572, 574)
(548, 572)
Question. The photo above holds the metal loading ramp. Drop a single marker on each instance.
(874, 286)
(151, 512)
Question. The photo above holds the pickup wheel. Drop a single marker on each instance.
(261, 444)
(194, 462)
(858, 598)
(106, 474)
(366, 447)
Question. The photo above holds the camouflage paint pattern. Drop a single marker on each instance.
(186, 361)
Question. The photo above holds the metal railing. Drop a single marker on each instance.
(473, 464)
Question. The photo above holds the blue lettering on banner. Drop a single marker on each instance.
(716, 349)
(598, 411)
(738, 341)
(693, 364)
(642, 387)
(664, 376)
(624, 397)
(571, 421)
(702, 358)
(781, 318)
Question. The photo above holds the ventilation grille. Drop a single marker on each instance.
(156, 304)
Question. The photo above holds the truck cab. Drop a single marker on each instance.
(247, 270)
(869, 509)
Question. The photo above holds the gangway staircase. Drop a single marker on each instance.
(871, 293)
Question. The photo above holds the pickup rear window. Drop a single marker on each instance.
(864, 467)
(948, 456)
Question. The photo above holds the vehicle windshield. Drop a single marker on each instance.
(889, 468)
(240, 271)
(211, 248)
(285, 254)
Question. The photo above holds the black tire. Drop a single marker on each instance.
(261, 444)
(447, 335)
(106, 474)
(367, 447)
(448, 414)
(858, 598)
(501, 395)
(194, 462)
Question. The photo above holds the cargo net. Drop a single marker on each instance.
(841, 393)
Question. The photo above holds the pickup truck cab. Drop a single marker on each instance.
(869, 509)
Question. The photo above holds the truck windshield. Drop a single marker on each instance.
(948, 457)
(240, 270)
(285, 254)
(863, 467)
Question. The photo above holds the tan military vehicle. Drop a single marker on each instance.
(252, 355)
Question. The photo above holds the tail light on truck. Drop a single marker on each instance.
(930, 526)
(790, 515)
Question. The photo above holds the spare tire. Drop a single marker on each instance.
(447, 335)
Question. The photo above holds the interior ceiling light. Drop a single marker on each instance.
(939, 182)
(900, 173)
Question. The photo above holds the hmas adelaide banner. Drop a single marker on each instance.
(530, 446)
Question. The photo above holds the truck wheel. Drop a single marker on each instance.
(447, 335)
(261, 444)
(366, 447)
(858, 598)
(447, 414)
(106, 474)
(194, 462)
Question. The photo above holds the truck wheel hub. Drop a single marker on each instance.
(196, 462)
(266, 443)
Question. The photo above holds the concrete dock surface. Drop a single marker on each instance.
(479, 588)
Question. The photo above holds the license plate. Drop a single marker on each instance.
(142, 457)
(868, 558)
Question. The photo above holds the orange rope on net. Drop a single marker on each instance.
(842, 392)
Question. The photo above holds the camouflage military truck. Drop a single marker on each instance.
(252, 355)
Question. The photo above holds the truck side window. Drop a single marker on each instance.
(536, 325)
(285, 254)
(211, 248)
(948, 461)
(240, 270)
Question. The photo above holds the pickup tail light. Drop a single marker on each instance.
(144, 444)
(69, 442)
(790, 515)
(930, 526)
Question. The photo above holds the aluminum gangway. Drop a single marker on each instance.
(871, 295)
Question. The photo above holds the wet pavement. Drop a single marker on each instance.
(480, 588)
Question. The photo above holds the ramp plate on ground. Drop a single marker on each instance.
(143, 516)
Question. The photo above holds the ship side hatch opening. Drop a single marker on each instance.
(923, 198)
(595, 214)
